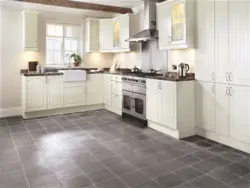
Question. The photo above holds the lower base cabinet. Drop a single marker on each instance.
(170, 107)
(223, 113)
(42, 93)
(94, 89)
(74, 95)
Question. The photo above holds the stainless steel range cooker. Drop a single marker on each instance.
(134, 97)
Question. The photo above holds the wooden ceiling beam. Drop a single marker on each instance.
(81, 5)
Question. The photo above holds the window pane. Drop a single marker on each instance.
(67, 45)
(51, 30)
(49, 44)
(50, 57)
(73, 45)
(59, 30)
(72, 31)
(58, 57)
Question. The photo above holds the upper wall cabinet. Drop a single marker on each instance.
(92, 37)
(109, 35)
(175, 22)
(106, 35)
(30, 21)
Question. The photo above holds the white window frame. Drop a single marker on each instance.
(63, 37)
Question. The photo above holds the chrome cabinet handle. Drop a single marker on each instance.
(230, 77)
(213, 76)
(227, 76)
(213, 89)
(230, 91)
(227, 91)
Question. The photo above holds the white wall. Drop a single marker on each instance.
(13, 58)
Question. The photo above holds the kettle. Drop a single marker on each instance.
(183, 69)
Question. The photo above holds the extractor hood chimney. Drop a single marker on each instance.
(149, 32)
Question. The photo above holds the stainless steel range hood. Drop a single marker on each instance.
(149, 32)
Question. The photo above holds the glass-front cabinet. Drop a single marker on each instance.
(175, 24)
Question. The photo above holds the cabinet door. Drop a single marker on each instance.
(54, 92)
(204, 52)
(74, 96)
(94, 89)
(222, 41)
(163, 24)
(239, 113)
(92, 35)
(124, 31)
(107, 89)
(205, 105)
(106, 34)
(167, 104)
(117, 103)
(239, 42)
(30, 30)
(222, 109)
(178, 22)
(152, 101)
(35, 94)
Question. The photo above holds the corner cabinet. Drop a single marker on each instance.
(92, 36)
(170, 107)
(30, 21)
(175, 23)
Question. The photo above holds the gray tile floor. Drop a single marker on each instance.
(98, 149)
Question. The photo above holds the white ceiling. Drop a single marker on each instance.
(118, 3)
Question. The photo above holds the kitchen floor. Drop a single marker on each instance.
(98, 149)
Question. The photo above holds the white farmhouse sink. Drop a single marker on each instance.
(74, 75)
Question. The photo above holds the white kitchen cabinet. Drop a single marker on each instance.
(124, 22)
(222, 106)
(117, 88)
(152, 100)
(116, 103)
(54, 92)
(92, 35)
(167, 109)
(239, 42)
(30, 21)
(205, 105)
(205, 40)
(74, 94)
(106, 35)
(167, 103)
(175, 20)
(107, 89)
(94, 89)
(35, 94)
(239, 113)
(222, 63)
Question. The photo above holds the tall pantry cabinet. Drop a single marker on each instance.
(223, 71)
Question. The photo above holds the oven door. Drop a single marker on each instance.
(127, 102)
(139, 106)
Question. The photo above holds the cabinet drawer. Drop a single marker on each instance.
(117, 88)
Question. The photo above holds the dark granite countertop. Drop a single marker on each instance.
(171, 76)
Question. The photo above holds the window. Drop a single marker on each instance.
(62, 40)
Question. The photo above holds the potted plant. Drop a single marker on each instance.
(77, 59)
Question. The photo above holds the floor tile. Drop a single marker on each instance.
(8, 167)
(188, 173)
(169, 180)
(134, 178)
(224, 175)
(148, 184)
(13, 179)
(113, 183)
(238, 169)
(155, 170)
(112, 161)
(240, 183)
(189, 159)
(77, 182)
(100, 176)
(207, 182)
(122, 169)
